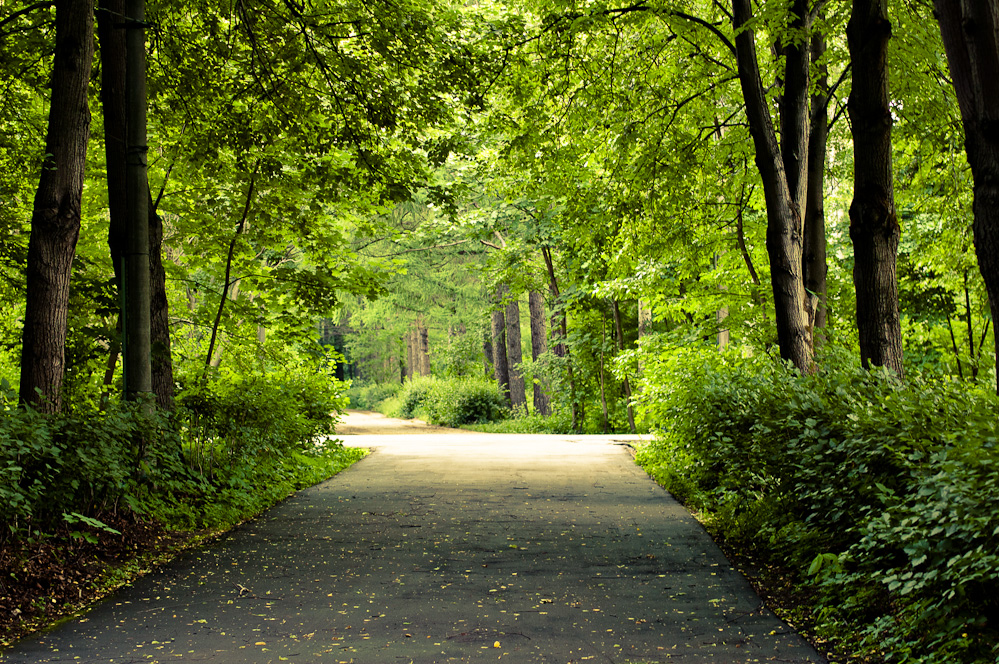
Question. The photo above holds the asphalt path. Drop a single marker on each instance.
(446, 546)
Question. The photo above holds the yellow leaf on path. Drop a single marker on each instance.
(496, 645)
(260, 643)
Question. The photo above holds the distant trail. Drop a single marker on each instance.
(448, 548)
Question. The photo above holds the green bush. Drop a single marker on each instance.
(412, 396)
(80, 461)
(880, 494)
(232, 442)
(458, 401)
(370, 396)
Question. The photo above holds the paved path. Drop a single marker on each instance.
(447, 548)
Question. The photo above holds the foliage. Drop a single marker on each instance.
(369, 396)
(233, 446)
(456, 401)
(880, 495)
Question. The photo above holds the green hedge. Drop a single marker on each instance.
(880, 494)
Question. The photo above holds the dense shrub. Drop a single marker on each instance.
(371, 395)
(232, 441)
(880, 494)
(458, 401)
(412, 396)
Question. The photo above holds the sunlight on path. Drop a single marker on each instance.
(448, 548)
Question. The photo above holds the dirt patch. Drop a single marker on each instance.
(49, 576)
(366, 423)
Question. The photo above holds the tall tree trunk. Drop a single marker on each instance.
(423, 341)
(784, 224)
(514, 355)
(137, 344)
(501, 368)
(794, 120)
(159, 316)
(560, 332)
(603, 387)
(620, 347)
(874, 225)
(406, 366)
(487, 354)
(814, 260)
(536, 305)
(55, 219)
(971, 38)
(112, 48)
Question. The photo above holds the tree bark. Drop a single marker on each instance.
(55, 219)
(814, 266)
(874, 225)
(784, 224)
(137, 344)
(423, 344)
(794, 120)
(159, 317)
(535, 302)
(970, 31)
(514, 355)
(501, 368)
(487, 354)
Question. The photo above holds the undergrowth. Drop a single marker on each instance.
(878, 495)
(235, 446)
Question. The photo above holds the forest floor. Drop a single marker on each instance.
(447, 547)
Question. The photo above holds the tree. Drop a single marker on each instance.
(55, 221)
(874, 226)
(514, 353)
(971, 38)
(783, 193)
(539, 345)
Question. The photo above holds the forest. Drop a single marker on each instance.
(764, 231)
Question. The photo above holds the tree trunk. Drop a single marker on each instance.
(560, 332)
(971, 39)
(501, 369)
(487, 354)
(423, 341)
(794, 120)
(137, 344)
(535, 302)
(159, 317)
(814, 266)
(55, 219)
(514, 355)
(620, 347)
(784, 225)
(874, 225)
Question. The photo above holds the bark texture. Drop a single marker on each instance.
(970, 31)
(539, 345)
(874, 225)
(514, 355)
(784, 222)
(55, 219)
(814, 264)
(501, 369)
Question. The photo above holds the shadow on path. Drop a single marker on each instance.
(447, 548)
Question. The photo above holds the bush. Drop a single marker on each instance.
(879, 494)
(412, 396)
(231, 440)
(458, 401)
(369, 397)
